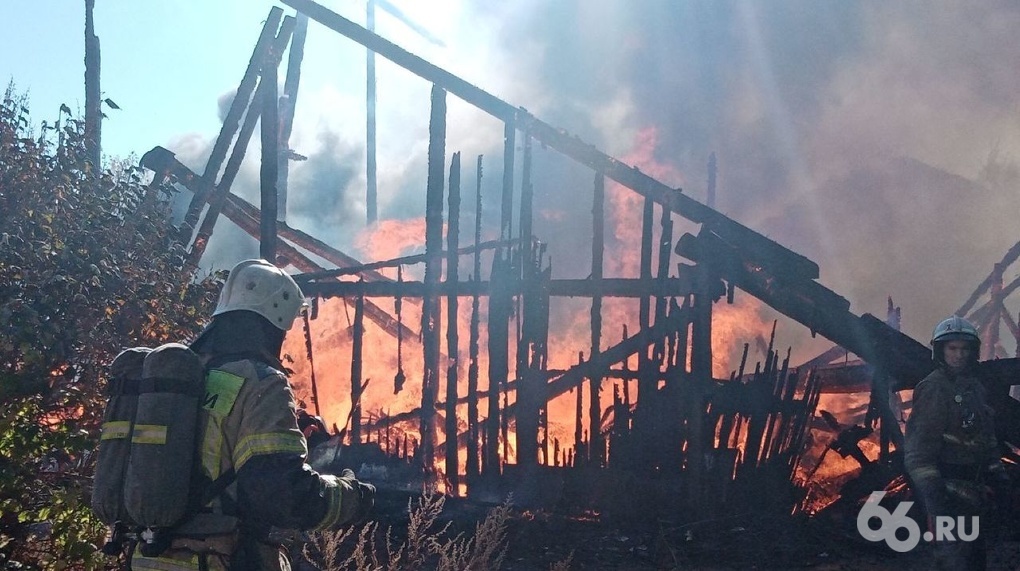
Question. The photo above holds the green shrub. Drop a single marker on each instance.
(89, 264)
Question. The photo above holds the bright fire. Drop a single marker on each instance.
(331, 331)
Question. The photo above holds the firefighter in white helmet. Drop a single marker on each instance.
(950, 450)
(252, 452)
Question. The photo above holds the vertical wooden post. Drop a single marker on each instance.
(499, 307)
(578, 412)
(270, 164)
(370, 145)
(701, 376)
(93, 93)
(647, 379)
(356, 360)
(288, 104)
(311, 363)
(528, 405)
(473, 468)
(452, 322)
(665, 254)
(430, 316)
(596, 453)
(507, 198)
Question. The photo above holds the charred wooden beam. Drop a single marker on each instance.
(817, 307)
(269, 170)
(500, 308)
(529, 398)
(606, 287)
(647, 384)
(662, 275)
(596, 454)
(507, 196)
(473, 467)
(288, 104)
(240, 102)
(452, 321)
(430, 316)
(358, 333)
(700, 378)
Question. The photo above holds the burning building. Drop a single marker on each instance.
(506, 379)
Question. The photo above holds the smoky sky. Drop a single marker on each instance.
(879, 139)
(322, 192)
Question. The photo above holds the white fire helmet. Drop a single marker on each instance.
(261, 287)
(953, 328)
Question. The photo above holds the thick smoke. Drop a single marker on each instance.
(879, 140)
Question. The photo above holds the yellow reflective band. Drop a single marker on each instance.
(333, 500)
(142, 563)
(149, 434)
(221, 390)
(267, 443)
(212, 446)
(116, 430)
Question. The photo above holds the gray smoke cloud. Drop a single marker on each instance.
(879, 140)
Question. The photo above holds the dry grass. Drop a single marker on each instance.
(428, 545)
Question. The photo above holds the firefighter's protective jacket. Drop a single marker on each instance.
(248, 429)
(950, 442)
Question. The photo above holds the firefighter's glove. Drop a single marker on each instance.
(356, 497)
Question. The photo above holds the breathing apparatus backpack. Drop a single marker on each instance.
(145, 473)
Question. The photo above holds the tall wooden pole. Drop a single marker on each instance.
(93, 93)
(473, 468)
(597, 452)
(528, 391)
(288, 104)
(701, 377)
(452, 322)
(356, 370)
(370, 99)
(430, 317)
(270, 163)
(647, 378)
(499, 308)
